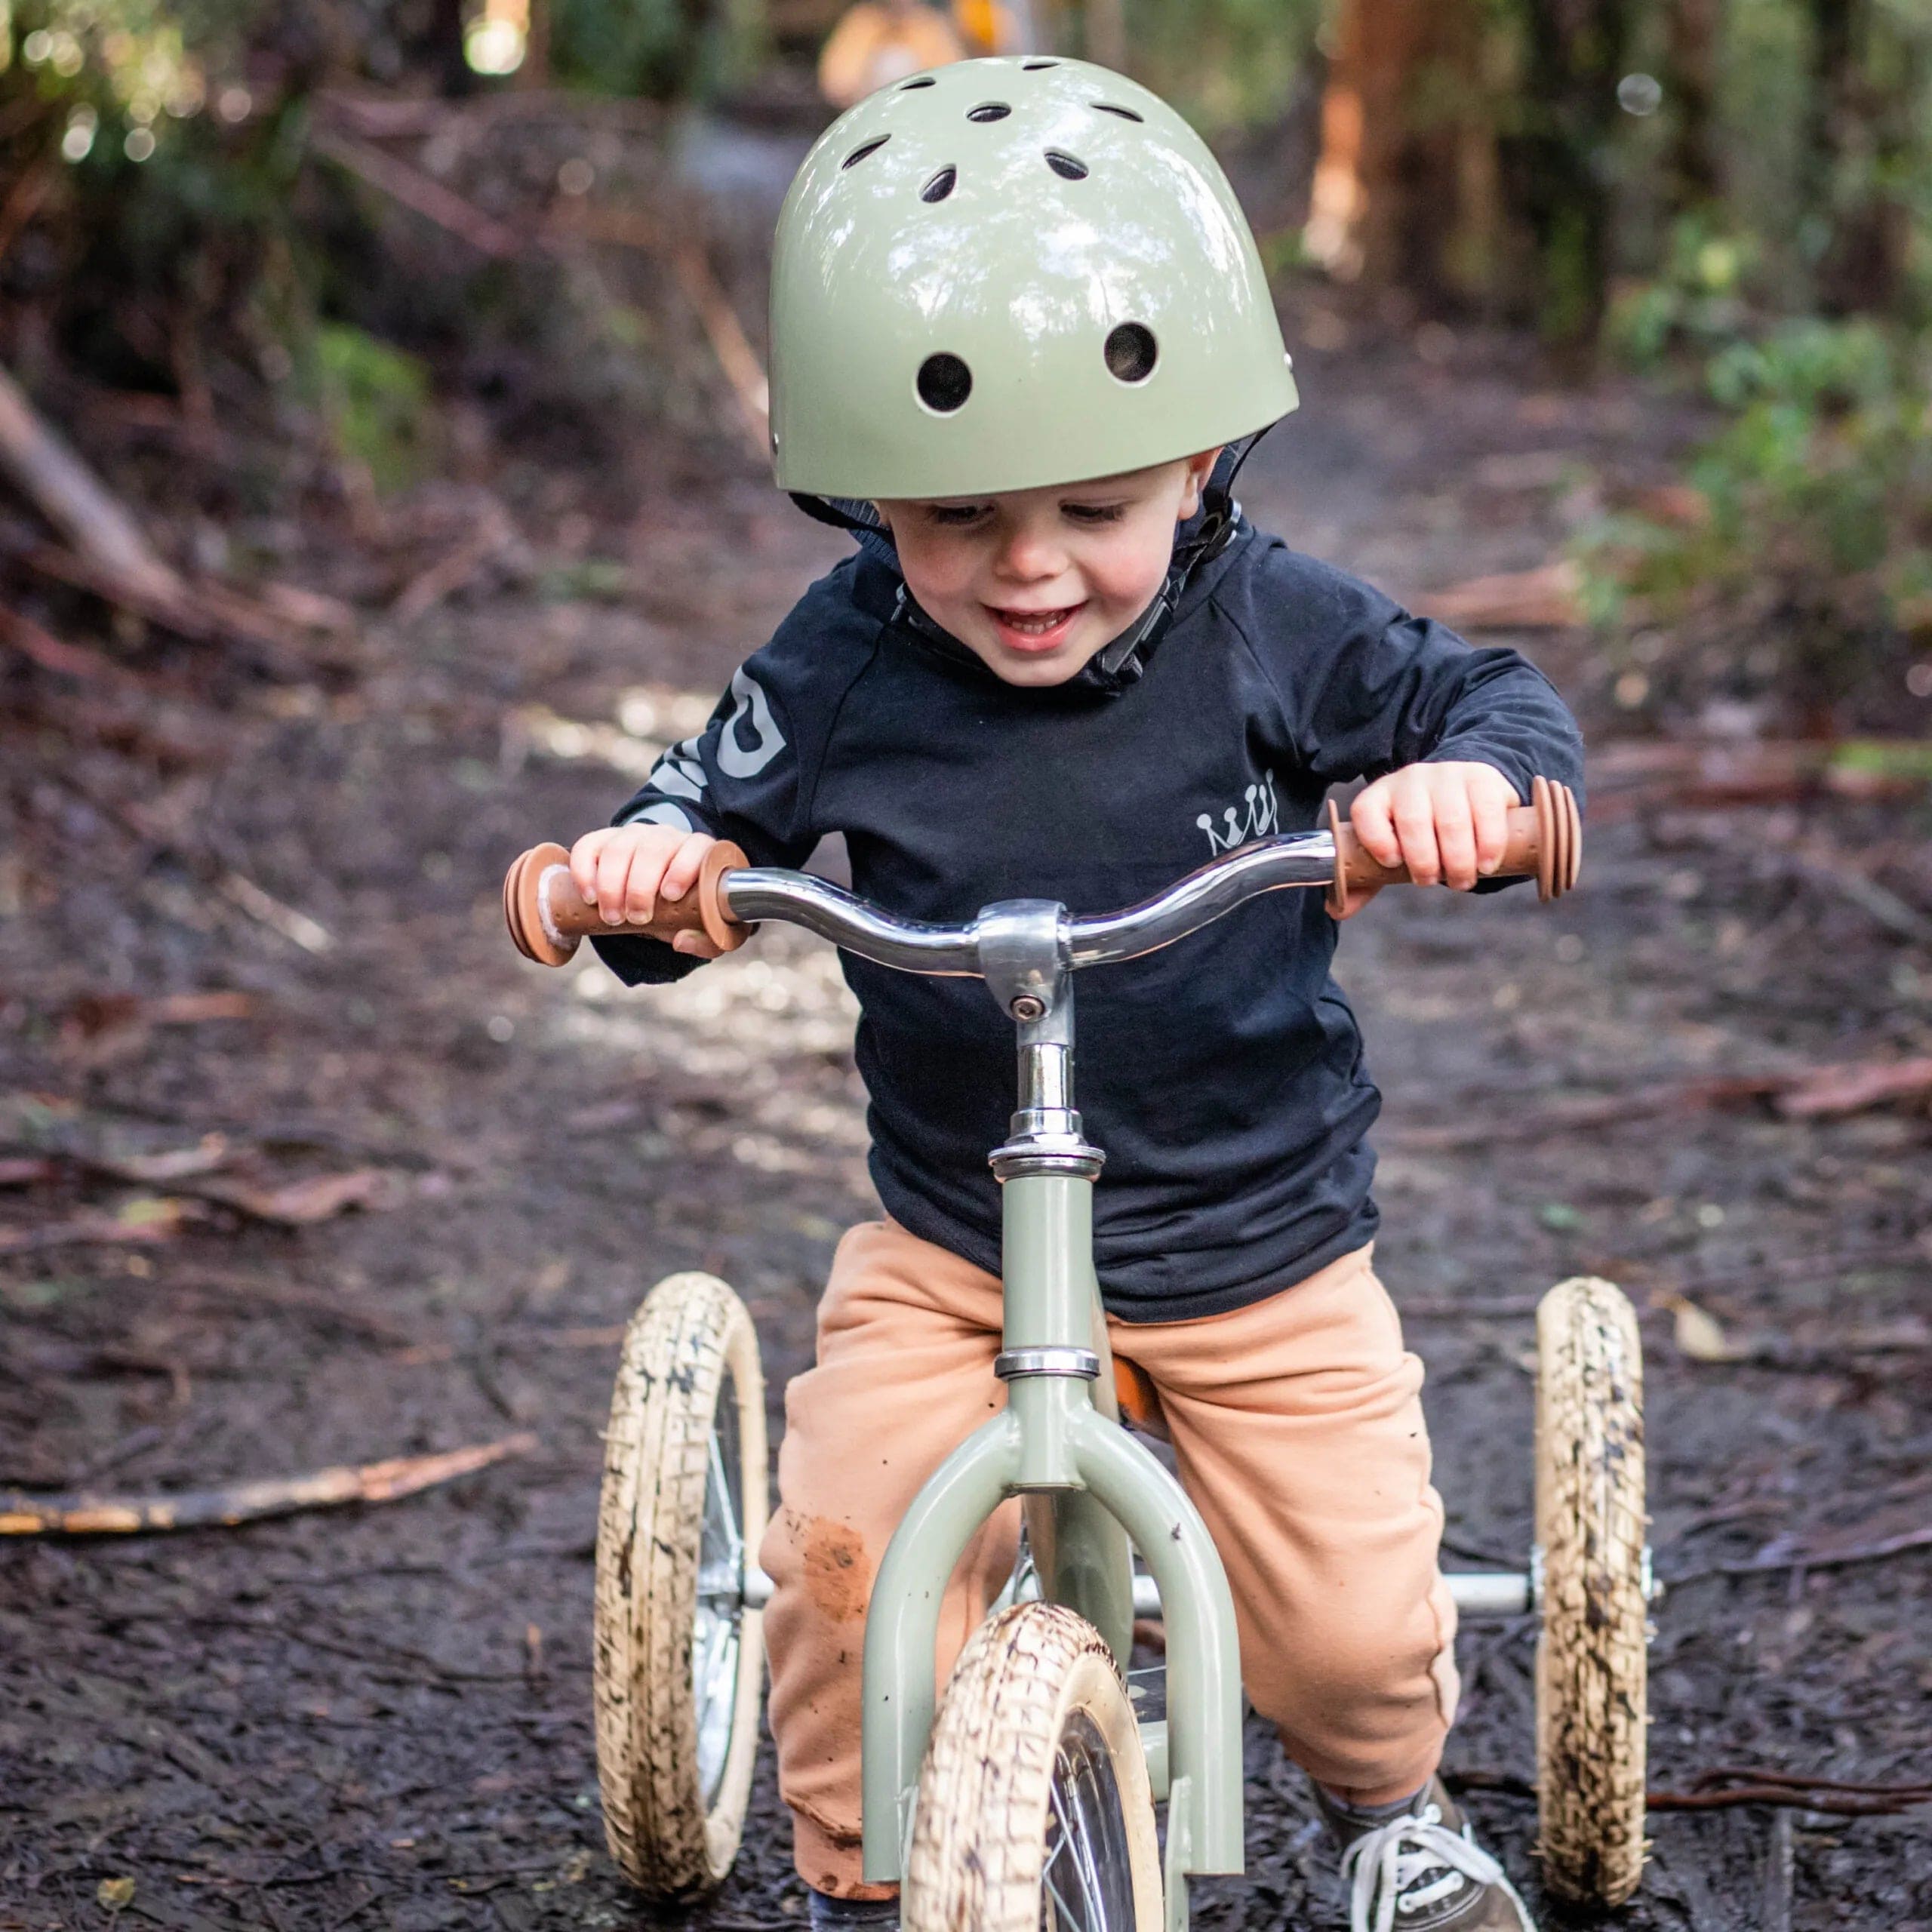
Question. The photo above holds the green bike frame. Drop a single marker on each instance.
(1093, 1493)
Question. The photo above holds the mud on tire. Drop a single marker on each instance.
(1590, 1527)
(1034, 1769)
(679, 1663)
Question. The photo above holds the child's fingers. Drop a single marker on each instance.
(1413, 811)
(621, 897)
(1490, 809)
(1359, 896)
(1370, 815)
(1456, 835)
(680, 874)
(696, 942)
(584, 859)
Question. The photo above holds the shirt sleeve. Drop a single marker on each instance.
(749, 775)
(1365, 688)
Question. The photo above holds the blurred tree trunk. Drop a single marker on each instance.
(1862, 143)
(1695, 26)
(1104, 24)
(1405, 190)
(1563, 179)
(453, 76)
(535, 71)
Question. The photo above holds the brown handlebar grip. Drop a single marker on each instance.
(1546, 841)
(547, 916)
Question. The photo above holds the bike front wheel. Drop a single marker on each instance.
(1034, 1810)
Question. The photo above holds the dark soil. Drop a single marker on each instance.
(381, 1716)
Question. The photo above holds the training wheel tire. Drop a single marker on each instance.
(679, 1657)
(1590, 1529)
(1035, 1783)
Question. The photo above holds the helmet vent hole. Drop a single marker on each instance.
(988, 110)
(1124, 113)
(1064, 165)
(1039, 66)
(865, 148)
(920, 80)
(945, 383)
(1131, 352)
(940, 186)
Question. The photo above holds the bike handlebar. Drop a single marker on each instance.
(548, 917)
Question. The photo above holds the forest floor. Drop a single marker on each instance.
(381, 1716)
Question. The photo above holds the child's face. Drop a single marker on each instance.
(1034, 581)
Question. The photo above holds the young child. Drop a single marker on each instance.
(1019, 328)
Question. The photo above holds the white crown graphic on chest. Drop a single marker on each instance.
(1257, 817)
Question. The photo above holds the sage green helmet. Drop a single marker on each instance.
(1008, 274)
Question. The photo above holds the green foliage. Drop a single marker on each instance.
(662, 49)
(377, 402)
(1812, 551)
(1695, 300)
(1225, 64)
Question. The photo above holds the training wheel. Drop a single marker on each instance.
(679, 1655)
(1594, 1570)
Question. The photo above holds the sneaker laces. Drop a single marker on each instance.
(1384, 1868)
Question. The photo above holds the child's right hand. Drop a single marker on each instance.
(627, 868)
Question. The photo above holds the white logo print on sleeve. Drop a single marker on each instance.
(768, 741)
(680, 773)
(1262, 819)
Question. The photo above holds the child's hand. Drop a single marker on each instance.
(1446, 823)
(627, 868)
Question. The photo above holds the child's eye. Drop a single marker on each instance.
(955, 516)
(1094, 512)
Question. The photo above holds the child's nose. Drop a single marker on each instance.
(1030, 553)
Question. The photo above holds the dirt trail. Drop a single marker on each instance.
(381, 1718)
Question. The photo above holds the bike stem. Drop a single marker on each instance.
(1091, 1495)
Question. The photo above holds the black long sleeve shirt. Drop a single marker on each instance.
(1222, 1076)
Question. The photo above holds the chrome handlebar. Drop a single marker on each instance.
(1294, 859)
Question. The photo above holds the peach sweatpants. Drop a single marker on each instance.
(1297, 1428)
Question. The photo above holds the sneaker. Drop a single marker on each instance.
(832, 1914)
(1417, 1868)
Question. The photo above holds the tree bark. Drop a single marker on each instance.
(1576, 56)
(1404, 187)
(1695, 26)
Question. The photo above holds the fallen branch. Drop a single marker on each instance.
(1733, 1785)
(422, 193)
(42, 648)
(1817, 1093)
(74, 501)
(493, 533)
(1548, 598)
(83, 1515)
(1477, 1128)
(1789, 1554)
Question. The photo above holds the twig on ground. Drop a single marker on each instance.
(1815, 1093)
(1833, 1555)
(494, 532)
(1547, 597)
(74, 501)
(729, 343)
(249, 1502)
(40, 647)
(1734, 1785)
(422, 193)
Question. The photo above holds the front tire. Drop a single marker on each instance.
(679, 1657)
(1033, 1809)
(1591, 1666)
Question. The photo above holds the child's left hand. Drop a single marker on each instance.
(1445, 822)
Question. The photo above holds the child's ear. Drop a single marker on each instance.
(1199, 468)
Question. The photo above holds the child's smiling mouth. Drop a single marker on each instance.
(1034, 630)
